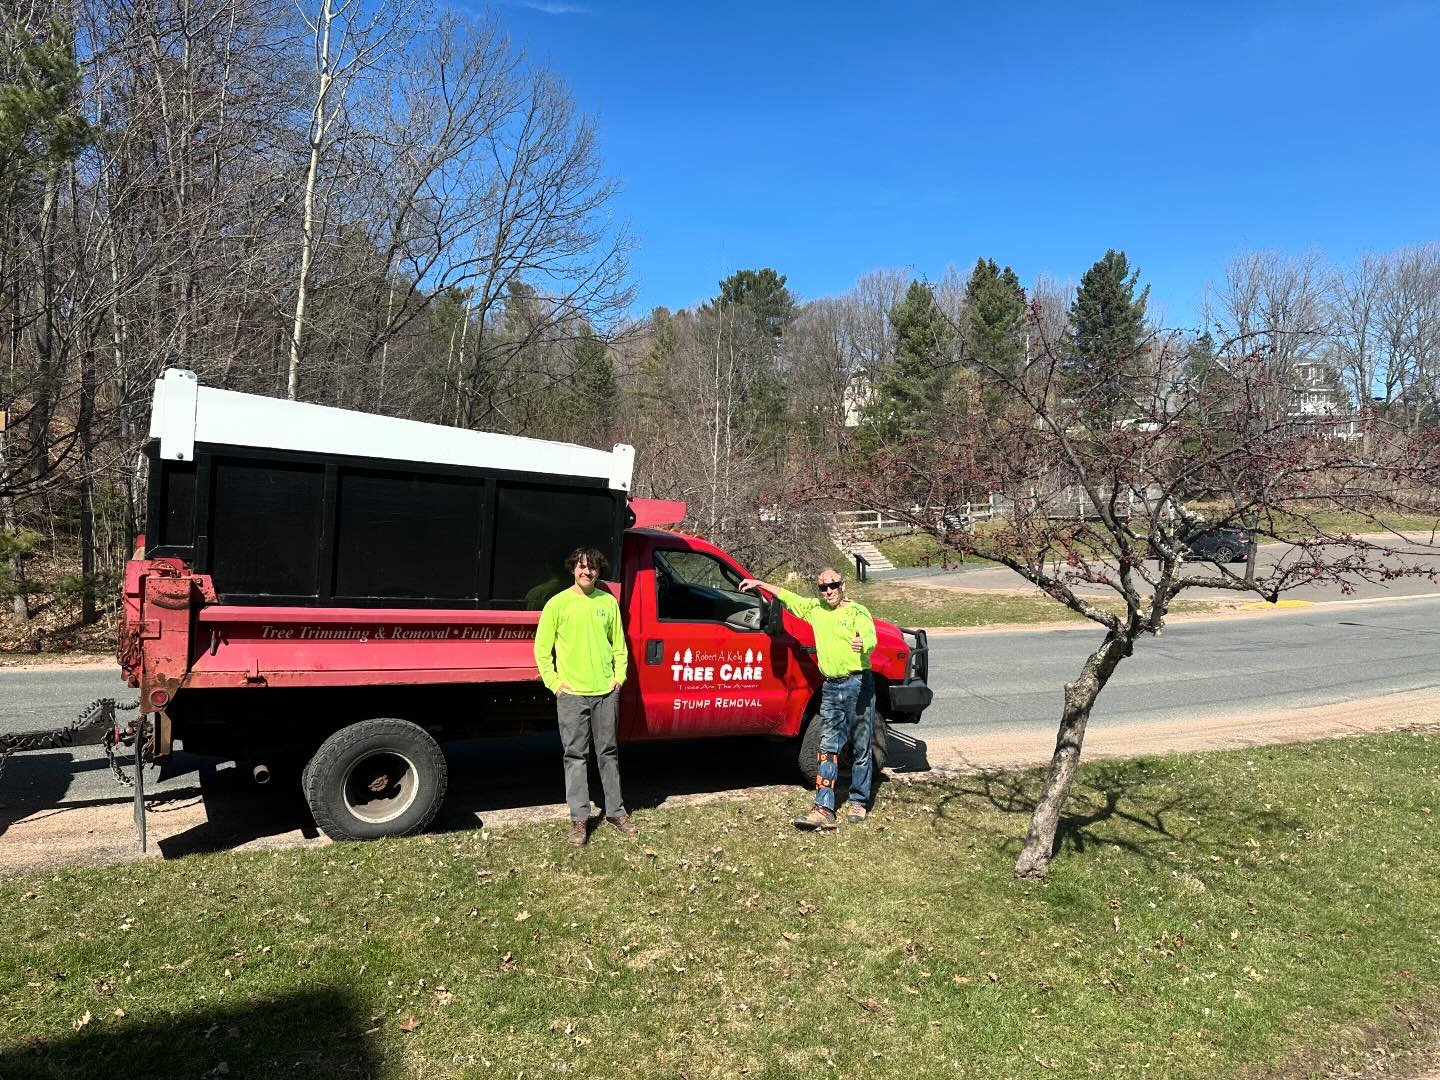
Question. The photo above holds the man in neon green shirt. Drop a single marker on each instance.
(580, 651)
(844, 640)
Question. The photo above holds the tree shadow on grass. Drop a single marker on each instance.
(1137, 806)
(311, 1033)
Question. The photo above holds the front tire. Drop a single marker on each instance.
(375, 778)
(808, 756)
(880, 745)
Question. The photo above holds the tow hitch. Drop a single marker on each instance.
(95, 726)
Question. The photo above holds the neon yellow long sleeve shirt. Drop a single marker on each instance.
(834, 629)
(580, 642)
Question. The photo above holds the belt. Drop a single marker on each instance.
(842, 678)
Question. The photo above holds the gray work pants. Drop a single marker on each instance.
(579, 716)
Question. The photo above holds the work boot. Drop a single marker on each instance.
(855, 813)
(579, 833)
(625, 823)
(816, 818)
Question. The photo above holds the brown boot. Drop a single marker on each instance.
(579, 833)
(817, 818)
(625, 823)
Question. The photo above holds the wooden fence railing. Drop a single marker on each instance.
(876, 521)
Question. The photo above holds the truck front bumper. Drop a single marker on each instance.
(912, 697)
(909, 700)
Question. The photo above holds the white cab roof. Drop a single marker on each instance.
(185, 413)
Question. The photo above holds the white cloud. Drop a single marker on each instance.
(553, 7)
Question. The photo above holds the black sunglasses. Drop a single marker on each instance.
(826, 586)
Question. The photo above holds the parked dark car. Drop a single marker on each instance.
(1223, 544)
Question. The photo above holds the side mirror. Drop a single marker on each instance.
(771, 611)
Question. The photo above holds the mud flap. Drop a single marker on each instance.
(140, 738)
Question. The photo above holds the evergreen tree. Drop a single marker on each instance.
(1200, 362)
(1107, 325)
(594, 392)
(755, 309)
(995, 316)
(764, 295)
(655, 365)
(39, 84)
(907, 395)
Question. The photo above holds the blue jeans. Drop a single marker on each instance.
(847, 714)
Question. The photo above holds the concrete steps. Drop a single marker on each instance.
(853, 545)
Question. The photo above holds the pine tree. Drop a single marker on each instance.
(756, 308)
(1107, 325)
(764, 295)
(995, 317)
(913, 389)
(594, 392)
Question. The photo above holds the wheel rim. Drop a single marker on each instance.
(381, 786)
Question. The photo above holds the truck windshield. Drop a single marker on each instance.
(697, 587)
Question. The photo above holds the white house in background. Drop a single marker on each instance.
(857, 394)
(1315, 393)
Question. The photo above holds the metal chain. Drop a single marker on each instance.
(61, 737)
(114, 763)
(111, 742)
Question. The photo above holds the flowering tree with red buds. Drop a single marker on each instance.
(1103, 506)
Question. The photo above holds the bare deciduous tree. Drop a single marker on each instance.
(1101, 513)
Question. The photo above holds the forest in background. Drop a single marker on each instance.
(381, 207)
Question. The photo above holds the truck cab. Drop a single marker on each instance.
(708, 659)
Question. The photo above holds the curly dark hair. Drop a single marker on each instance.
(591, 557)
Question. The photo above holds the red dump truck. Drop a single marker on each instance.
(339, 593)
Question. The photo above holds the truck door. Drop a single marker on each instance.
(704, 665)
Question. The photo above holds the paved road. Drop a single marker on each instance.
(984, 682)
(1293, 658)
(988, 576)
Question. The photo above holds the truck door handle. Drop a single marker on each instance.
(654, 651)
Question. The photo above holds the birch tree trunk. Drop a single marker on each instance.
(385, 350)
(316, 140)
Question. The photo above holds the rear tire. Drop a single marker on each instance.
(375, 778)
(1224, 554)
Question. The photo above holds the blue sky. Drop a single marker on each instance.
(827, 139)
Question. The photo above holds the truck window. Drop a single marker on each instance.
(694, 587)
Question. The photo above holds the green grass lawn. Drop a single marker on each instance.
(916, 549)
(922, 549)
(913, 606)
(1209, 915)
(1334, 522)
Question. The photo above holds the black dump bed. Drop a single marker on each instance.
(310, 529)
